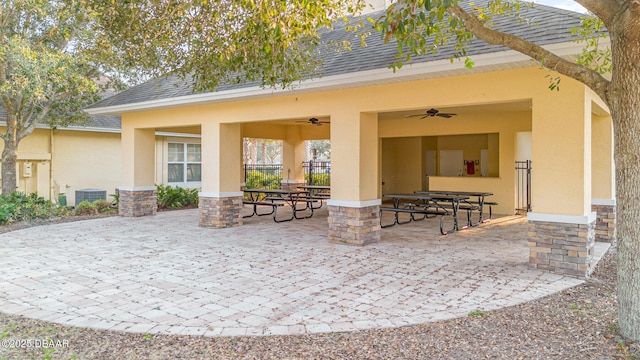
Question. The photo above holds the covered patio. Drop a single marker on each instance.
(502, 100)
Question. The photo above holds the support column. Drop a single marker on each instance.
(603, 179)
(561, 234)
(354, 208)
(293, 154)
(605, 220)
(220, 202)
(138, 195)
(562, 244)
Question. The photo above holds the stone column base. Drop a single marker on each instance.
(138, 202)
(605, 222)
(220, 212)
(561, 248)
(354, 225)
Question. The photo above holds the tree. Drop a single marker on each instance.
(271, 151)
(46, 76)
(320, 148)
(224, 41)
(420, 26)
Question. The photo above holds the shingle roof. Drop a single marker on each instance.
(95, 122)
(106, 122)
(546, 25)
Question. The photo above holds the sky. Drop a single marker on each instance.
(563, 4)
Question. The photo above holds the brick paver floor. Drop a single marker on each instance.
(164, 274)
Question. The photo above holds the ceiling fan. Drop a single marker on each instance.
(433, 112)
(315, 121)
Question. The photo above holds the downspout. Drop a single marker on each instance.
(163, 181)
(51, 165)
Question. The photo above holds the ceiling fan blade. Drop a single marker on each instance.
(431, 113)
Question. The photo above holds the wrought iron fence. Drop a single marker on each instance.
(258, 176)
(523, 178)
(317, 172)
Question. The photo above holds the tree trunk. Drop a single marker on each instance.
(254, 151)
(627, 162)
(9, 167)
(263, 151)
(624, 103)
(245, 151)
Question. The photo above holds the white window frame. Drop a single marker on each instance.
(185, 162)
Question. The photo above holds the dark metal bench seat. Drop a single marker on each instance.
(413, 211)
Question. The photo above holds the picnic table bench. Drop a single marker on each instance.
(316, 194)
(424, 205)
(276, 198)
(467, 204)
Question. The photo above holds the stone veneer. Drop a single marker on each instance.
(133, 203)
(354, 226)
(220, 212)
(605, 223)
(561, 248)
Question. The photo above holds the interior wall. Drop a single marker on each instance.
(429, 143)
(524, 141)
(402, 165)
(493, 145)
(470, 145)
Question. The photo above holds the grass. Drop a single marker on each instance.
(477, 313)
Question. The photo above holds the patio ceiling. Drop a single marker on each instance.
(523, 105)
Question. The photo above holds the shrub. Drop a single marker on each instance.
(86, 208)
(319, 179)
(261, 180)
(176, 198)
(21, 207)
(7, 209)
(102, 206)
(116, 199)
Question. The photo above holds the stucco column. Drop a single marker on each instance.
(603, 200)
(293, 154)
(562, 226)
(221, 199)
(138, 194)
(354, 207)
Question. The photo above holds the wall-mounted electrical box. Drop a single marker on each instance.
(28, 169)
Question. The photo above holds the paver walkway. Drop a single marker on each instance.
(164, 274)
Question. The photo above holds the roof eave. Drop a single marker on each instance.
(500, 60)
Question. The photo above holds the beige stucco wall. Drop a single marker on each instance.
(84, 159)
(603, 174)
(63, 161)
